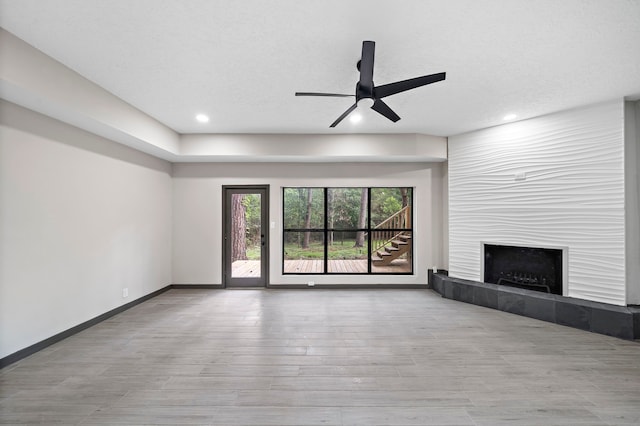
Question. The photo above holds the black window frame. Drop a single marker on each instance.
(368, 229)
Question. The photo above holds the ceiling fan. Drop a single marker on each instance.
(367, 93)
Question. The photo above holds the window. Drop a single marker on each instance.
(347, 231)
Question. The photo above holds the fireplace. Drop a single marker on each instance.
(531, 268)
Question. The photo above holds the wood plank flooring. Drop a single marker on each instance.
(324, 357)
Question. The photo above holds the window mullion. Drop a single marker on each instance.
(326, 233)
(369, 230)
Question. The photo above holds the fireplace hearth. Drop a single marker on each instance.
(531, 268)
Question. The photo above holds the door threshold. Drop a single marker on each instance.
(245, 288)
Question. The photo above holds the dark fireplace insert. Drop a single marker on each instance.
(531, 268)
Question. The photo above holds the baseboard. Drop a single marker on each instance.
(30, 350)
(347, 286)
(300, 286)
(197, 286)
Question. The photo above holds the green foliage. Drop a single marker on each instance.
(294, 251)
(295, 207)
(251, 204)
(385, 202)
(253, 252)
(343, 250)
(346, 250)
(344, 208)
(390, 206)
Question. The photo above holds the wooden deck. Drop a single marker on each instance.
(396, 266)
(245, 268)
(251, 268)
(336, 266)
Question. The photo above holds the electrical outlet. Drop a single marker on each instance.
(125, 292)
(311, 283)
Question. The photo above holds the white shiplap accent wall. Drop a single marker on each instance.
(573, 195)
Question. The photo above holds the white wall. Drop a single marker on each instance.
(573, 195)
(197, 224)
(81, 218)
(445, 216)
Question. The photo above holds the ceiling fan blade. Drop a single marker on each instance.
(382, 108)
(401, 86)
(366, 66)
(334, 95)
(344, 115)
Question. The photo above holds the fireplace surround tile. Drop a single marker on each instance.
(603, 320)
(463, 293)
(618, 321)
(524, 302)
(512, 303)
(540, 308)
(485, 297)
(573, 314)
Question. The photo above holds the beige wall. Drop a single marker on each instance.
(81, 218)
(197, 209)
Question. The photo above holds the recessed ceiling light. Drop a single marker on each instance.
(202, 118)
(355, 118)
(509, 117)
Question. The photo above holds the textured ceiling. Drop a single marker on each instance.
(241, 62)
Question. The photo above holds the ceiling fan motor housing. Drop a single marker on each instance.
(363, 93)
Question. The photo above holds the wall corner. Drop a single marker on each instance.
(632, 200)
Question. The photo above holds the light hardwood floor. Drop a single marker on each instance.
(324, 357)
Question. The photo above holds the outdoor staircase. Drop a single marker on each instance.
(395, 248)
(391, 239)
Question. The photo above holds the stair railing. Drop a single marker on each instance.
(387, 230)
